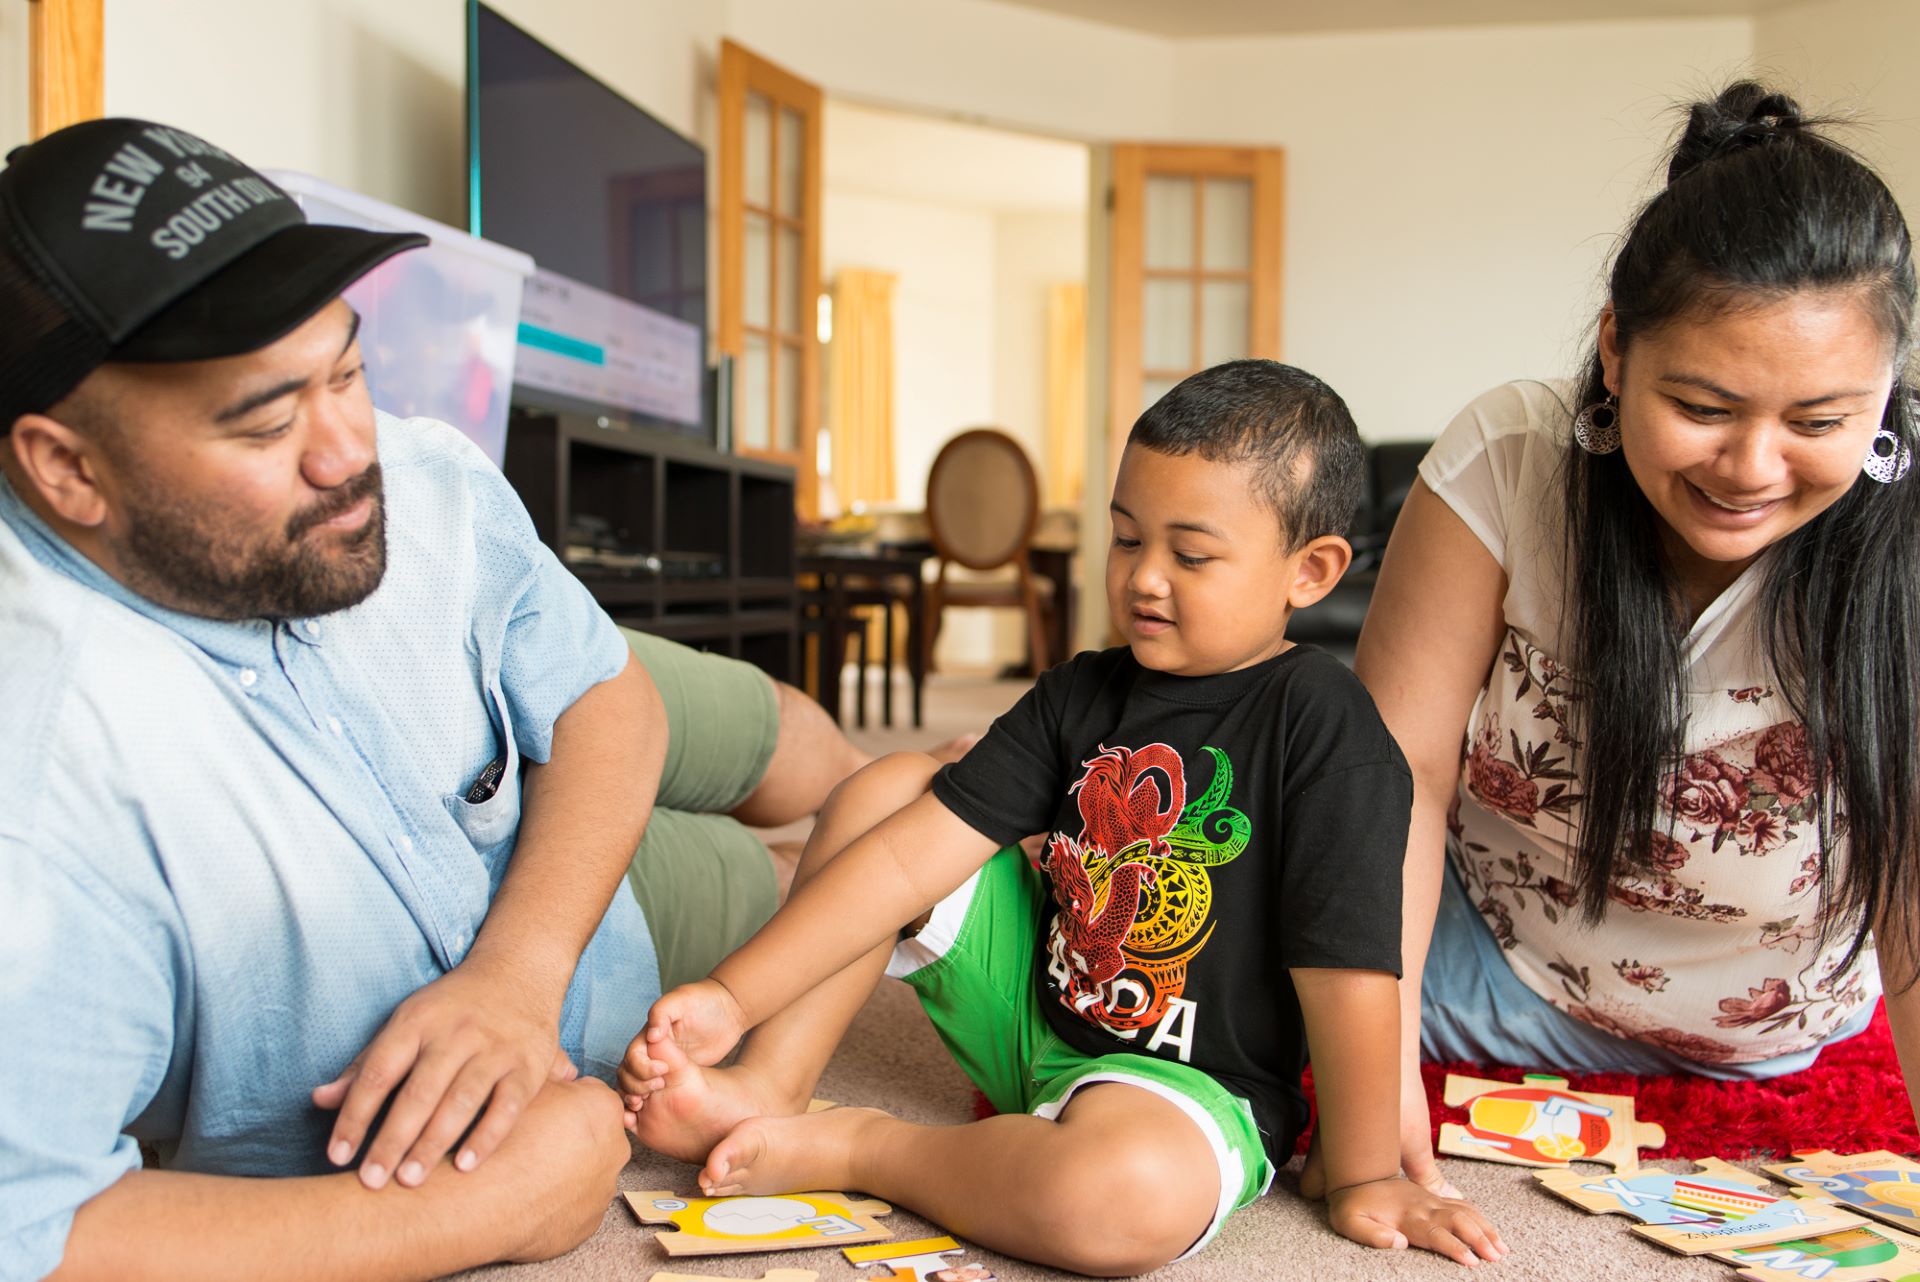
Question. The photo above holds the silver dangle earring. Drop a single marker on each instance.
(1887, 459)
(1597, 427)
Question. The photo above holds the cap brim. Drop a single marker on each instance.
(263, 295)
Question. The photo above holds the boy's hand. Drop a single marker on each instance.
(470, 1040)
(701, 1018)
(1395, 1213)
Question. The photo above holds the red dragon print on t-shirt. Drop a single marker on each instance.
(1132, 887)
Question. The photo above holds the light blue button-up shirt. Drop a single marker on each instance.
(229, 850)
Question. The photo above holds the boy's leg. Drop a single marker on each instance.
(781, 1060)
(1122, 1183)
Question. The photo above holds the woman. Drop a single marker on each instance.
(1649, 642)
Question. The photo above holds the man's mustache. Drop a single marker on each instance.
(339, 500)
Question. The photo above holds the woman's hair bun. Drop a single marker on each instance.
(1746, 114)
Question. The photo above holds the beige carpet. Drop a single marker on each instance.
(891, 1059)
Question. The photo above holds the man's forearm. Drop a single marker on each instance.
(165, 1225)
(581, 818)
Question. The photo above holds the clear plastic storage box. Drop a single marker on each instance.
(438, 325)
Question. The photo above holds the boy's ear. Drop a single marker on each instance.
(1317, 567)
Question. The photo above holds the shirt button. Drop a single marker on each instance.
(313, 628)
(333, 724)
(248, 676)
(406, 844)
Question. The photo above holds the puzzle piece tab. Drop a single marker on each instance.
(1868, 1253)
(921, 1261)
(724, 1225)
(1539, 1121)
(1713, 1208)
(1881, 1184)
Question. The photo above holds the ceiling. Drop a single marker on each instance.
(1295, 17)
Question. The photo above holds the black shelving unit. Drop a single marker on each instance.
(720, 528)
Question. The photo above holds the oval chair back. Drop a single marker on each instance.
(983, 504)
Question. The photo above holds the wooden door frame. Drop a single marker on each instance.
(1132, 163)
(66, 76)
(743, 72)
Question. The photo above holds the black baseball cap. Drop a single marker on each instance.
(126, 240)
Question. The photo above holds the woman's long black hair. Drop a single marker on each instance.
(1757, 207)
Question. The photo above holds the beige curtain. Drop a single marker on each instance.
(860, 386)
(1066, 464)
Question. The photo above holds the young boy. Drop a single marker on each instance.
(1218, 897)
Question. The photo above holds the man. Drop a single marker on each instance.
(325, 774)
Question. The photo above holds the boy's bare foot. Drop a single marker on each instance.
(695, 1107)
(767, 1155)
(954, 748)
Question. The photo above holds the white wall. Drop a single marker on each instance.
(1031, 253)
(13, 74)
(369, 94)
(1451, 194)
(1856, 55)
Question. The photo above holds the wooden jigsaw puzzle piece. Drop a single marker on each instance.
(1539, 1121)
(1716, 1206)
(1879, 1183)
(921, 1261)
(1866, 1253)
(788, 1221)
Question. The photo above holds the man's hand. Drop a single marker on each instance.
(472, 1039)
(702, 1018)
(1395, 1213)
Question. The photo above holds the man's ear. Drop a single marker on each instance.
(1317, 567)
(62, 465)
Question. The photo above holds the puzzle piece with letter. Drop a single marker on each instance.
(771, 1275)
(723, 1225)
(921, 1261)
(1881, 1184)
(1715, 1207)
(1867, 1253)
(1538, 1121)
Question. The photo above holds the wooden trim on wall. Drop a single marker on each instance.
(66, 78)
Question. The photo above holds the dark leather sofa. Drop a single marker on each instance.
(1334, 621)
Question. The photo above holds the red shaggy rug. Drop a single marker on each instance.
(1851, 1100)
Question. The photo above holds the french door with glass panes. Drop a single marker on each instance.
(1194, 270)
(769, 232)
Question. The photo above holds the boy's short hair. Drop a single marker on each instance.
(1294, 429)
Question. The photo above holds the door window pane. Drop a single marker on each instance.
(1227, 213)
(793, 153)
(787, 283)
(1169, 229)
(788, 395)
(758, 271)
(756, 394)
(758, 152)
(1168, 320)
(1224, 308)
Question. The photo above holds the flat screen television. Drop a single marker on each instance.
(602, 195)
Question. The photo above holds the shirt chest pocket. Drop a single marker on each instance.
(488, 811)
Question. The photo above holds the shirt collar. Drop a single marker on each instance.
(245, 643)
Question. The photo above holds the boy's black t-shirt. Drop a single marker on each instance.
(1205, 834)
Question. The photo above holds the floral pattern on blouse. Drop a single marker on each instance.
(1715, 951)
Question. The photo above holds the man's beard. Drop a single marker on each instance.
(194, 562)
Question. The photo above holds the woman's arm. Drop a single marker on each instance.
(1432, 633)
(1903, 1005)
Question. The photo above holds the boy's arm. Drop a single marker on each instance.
(900, 868)
(486, 1034)
(1353, 1036)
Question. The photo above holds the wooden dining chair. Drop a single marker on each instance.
(983, 502)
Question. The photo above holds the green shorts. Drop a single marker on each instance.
(972, 966)
(703, 880)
